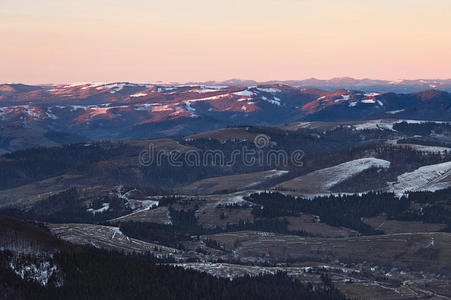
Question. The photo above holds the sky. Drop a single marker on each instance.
(60, 41)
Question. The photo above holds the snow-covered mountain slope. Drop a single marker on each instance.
(426, 178)
(321, 181)
(127, 110)
(369, 85)
(94, 100)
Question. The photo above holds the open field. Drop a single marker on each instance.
(393, 226)
(106, 237)
(353, 281)
(414, 251)
(309, 224)
(212, 210)
(158, 215)
(233, 182)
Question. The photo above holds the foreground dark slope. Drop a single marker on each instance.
(407, 264)
(85, 273)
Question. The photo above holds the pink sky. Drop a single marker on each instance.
(56, 41)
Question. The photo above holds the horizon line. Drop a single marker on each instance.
(163, 82)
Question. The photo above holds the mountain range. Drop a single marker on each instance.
(399, 86)
(52, 115)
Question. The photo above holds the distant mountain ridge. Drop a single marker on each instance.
(51, 115)
(398, 86)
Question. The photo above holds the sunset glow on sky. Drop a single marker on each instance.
(56, 41)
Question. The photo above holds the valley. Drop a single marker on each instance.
(363, 210)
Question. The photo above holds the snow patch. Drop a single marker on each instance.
(215, 87)
(245, 93)
(189, 108)
(393, 112)
(138, 95)
(275, 100)
(145, 107)
(98, 111)
(76, 84)
(50, 114)
(39, 273)
(117, 87)
(371, 94)
(276, 173)
(165, 89)
(104, 208)
(162, 108)
(271, 174)
(269, 90)
(344, 98)
(368, 101)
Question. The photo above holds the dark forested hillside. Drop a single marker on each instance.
(52, 269)
(322, 147)
(93, 274)
(348, 210)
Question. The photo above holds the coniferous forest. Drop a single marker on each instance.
(94, 274)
